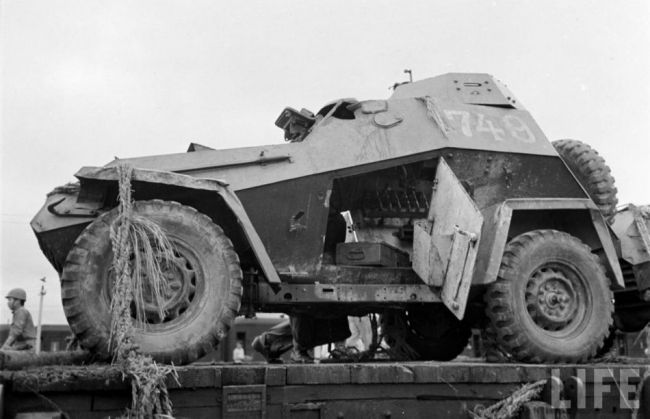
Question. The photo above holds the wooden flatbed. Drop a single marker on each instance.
(361, 390)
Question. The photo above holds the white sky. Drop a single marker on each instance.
(83, 81)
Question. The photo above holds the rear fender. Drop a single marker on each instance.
(578, 217)
(214, 194)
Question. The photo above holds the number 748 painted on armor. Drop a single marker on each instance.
(470, 123)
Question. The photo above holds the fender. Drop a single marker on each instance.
(515, 216)
(188, 182)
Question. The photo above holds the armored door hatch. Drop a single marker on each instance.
(445, 244)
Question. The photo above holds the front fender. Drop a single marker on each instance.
(186, 182)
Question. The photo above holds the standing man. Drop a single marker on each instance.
(22, 334)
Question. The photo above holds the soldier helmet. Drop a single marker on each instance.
(18, 294)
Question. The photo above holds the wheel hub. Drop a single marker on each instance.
(177, 294)
(551, 298)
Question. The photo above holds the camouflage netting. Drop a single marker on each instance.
(140, 249)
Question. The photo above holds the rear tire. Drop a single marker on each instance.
(592, 173)
(205, 285)
(551, 302)
(432, 332)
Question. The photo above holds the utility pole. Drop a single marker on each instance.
(40, 317)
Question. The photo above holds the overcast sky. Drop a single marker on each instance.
(84, 81)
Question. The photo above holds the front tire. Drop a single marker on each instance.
(205, 286)
(551, 302)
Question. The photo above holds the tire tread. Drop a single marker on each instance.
(94, 337)
(499, 297)
(592, 172)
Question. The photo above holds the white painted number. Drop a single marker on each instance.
(486, 125)
(464, 121)
(514, 127)
(519, 129)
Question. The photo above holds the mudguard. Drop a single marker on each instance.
(189, 182)
(497, 228)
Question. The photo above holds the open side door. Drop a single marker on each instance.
(446, 243)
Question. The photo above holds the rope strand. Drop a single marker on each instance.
(140, 250)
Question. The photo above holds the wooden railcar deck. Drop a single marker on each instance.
(368, 390)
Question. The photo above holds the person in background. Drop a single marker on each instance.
(361, 330)
(238, 354)
(22, 333)
(300, 334)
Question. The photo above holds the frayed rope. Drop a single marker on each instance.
(140, 251)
